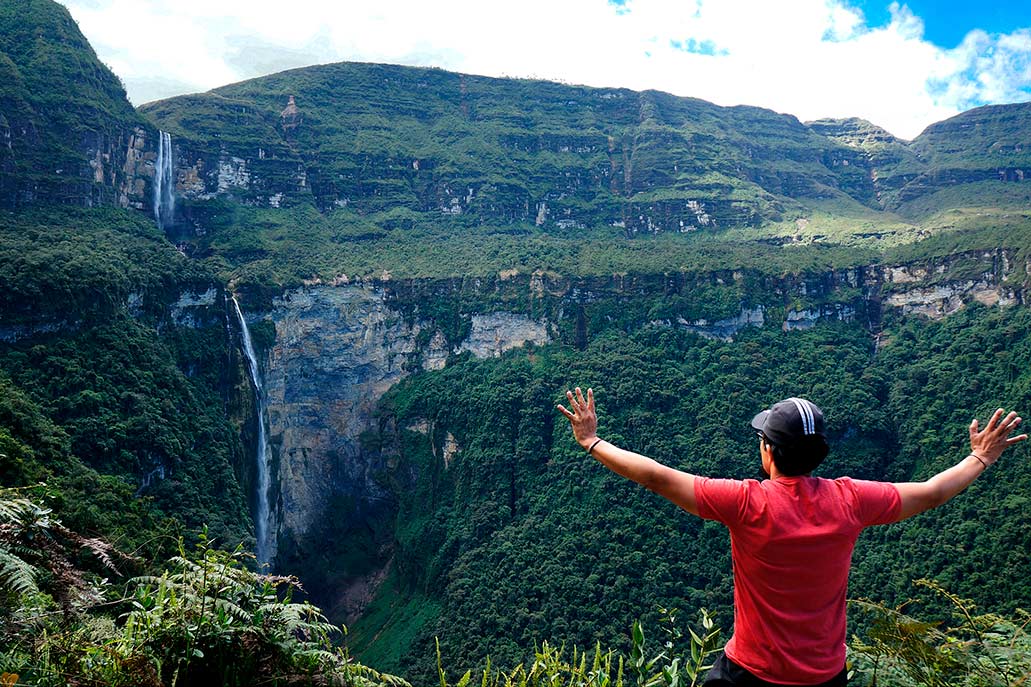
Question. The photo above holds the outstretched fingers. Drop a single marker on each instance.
(999, 428)
(1009, 425)
(578, 403)
(989, 443)
(993, 421)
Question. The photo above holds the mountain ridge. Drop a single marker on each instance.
(68, 132)
(372, 138)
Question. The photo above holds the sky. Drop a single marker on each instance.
(902, 66)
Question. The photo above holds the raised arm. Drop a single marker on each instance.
(665, 481)
(985, 448)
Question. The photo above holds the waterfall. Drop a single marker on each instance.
(262, 518)
(164, 181)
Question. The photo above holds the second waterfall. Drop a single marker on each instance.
(263, 527)
(164, 181)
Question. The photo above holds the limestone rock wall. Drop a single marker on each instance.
(114, 168)
(337, 350)
(494, 333)
(938, 290)
(253, 176)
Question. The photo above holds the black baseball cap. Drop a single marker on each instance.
(789, 421)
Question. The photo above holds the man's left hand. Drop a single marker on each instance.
(582, 417)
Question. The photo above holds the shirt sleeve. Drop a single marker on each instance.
(877, 503)
(720, 499)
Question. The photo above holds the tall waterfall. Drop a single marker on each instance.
(262, 516)
(164, 181)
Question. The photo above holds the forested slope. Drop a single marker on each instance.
(512, 534)
(113, 356)
(692, 263)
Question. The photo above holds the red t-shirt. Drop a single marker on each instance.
(791, 543)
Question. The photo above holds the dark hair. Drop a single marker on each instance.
(800, 457)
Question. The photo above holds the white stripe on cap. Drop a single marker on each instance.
(808, 416)
(806, 413)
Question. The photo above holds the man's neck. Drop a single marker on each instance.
(777, 474)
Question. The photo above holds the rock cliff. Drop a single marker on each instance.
(333, 351)
(336, 351)
(68, 134)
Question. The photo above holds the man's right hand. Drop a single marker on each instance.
(985, 448)
(989, 443)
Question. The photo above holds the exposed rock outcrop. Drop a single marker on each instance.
(337, 351)
(494, 333)
(726, 328)
(290, 118)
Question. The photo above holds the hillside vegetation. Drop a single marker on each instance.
(127, 420)
(118, 410)
(62, 112)
(520, 536)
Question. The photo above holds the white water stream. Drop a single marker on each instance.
(164, 181)
(262, 519)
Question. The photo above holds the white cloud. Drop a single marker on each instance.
(811, 58)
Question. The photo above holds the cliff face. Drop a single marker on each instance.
(68, 134)
(333, 351)
(112, 167)
(336, 352)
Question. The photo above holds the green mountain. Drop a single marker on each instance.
(361, 155)
(377, 137)
(67, 132)
(424, 261)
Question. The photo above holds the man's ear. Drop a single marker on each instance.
(764, 455)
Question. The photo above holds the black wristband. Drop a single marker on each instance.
(979, 460)
(589, 451)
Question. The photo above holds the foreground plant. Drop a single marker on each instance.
(971, 650)
(207, 619)
(551, 668)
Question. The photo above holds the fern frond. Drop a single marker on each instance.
(16, 575)
(232, 609)
(377, 677)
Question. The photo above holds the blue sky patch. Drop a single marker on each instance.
(620, 6)
(698, 47)
(946, 22)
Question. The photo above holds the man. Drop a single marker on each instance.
(791, 535)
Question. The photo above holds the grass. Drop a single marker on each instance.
(390, 625)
